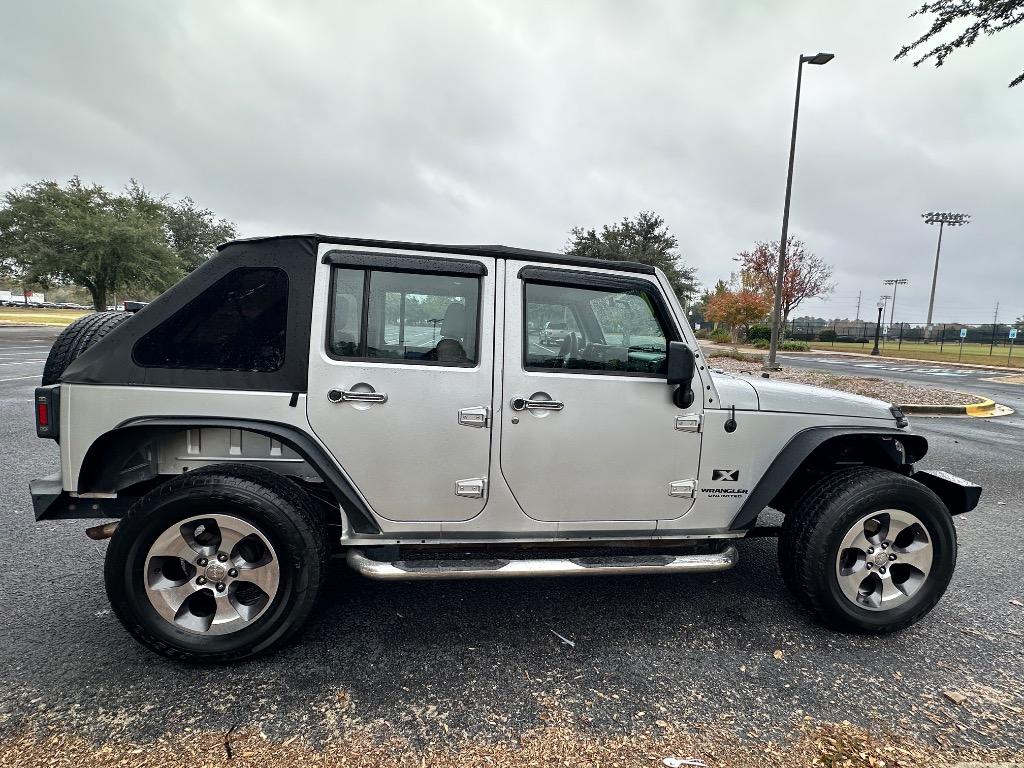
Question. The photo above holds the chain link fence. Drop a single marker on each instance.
(957, 340)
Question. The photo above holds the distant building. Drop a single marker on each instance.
(33, 297)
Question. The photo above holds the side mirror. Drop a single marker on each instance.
(681, 369)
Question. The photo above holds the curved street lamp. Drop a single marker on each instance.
(770, 364)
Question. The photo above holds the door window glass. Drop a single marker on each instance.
(594, 330)
(412, 317)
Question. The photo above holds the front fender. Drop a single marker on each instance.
(803, 444)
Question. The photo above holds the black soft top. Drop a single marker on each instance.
(490, 251)
(112, 361)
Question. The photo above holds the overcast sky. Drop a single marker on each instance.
(513, 121)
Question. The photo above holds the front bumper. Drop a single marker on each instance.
(957, 494)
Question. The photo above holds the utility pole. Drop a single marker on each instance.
(995, 317)
(858, 305)
(770, 364)
(942, 219)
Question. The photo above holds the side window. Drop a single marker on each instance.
(347, 288)
(237, 324)
(406, 316)
(593, 330)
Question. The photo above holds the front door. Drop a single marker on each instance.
(400, 382)
(589, 429)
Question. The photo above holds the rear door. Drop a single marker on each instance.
(400, 381)
(589, 429)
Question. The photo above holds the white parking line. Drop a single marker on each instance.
(21, 362)
(19, 378)
(926, 370)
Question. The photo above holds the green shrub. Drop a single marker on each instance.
(795, 346)
(761, 343)
(735, 354)
(828, 334)
(721, 337)
(756, 332)
(703, 333)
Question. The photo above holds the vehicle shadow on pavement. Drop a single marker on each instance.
(473, 658)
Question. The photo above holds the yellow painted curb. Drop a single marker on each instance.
(980, 409)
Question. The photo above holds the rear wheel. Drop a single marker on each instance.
(868, 550)
(76, 338)
(219, 564)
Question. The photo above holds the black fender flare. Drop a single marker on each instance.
(802, 445)
(103, 462)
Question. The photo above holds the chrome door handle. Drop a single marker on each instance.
(350, 396)
(525, 404)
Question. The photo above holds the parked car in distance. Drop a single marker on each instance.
(554, 332)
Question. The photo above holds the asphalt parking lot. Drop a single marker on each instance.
(438, 662)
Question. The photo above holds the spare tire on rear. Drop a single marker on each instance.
(76, 338)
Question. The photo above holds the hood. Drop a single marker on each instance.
(803, 398)
(751, 394)
(735, 391)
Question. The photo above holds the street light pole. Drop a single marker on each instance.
(770, 364)
(940, 218)
(878, 327)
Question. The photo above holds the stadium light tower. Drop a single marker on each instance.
(942, 219)
(770, 364)
(896, 283)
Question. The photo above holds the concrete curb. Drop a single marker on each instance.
(983, 408)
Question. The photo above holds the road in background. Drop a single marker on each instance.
(435, 662)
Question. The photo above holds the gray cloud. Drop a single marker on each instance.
(513, 121)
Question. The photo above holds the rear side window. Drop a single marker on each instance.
(405, 317)
(237, 324)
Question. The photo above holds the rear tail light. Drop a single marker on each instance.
(48, 411)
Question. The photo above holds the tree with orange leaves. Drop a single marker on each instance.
(807, 275)
(737, 309)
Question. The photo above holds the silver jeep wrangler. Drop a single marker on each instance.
(396, 404)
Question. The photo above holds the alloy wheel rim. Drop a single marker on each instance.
(884, 559)
(212, 574)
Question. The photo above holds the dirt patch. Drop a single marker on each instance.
(883, 389)
(559, 742)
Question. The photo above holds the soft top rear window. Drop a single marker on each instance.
(237, 324)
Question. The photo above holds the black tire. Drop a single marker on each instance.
(277, 507)
(76, 338)
(813, 531)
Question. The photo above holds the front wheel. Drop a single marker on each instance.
(868, 550)
(218, 564)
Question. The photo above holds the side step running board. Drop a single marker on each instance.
(406, 570)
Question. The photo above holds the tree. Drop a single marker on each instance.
(82, 234)
(646, 239)
(737, 308)
(981, 16)
(807, 276)
(195, 232)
